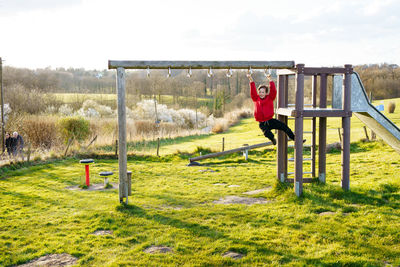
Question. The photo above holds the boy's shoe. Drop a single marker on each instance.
(274, 141)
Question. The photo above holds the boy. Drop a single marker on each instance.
(264, 109)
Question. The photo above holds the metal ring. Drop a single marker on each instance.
(209, 72)
(229, 73)
(189, 72)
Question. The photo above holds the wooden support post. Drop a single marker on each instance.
(346, 128)
(69, 143)
(322, 131)
(2, 106)
(246, 154)
(223, 144)
(129, 176)
(298, 155)
(366, 133)
(282, 139)
(314, 126)
(340, 135)
(122, 159)
(285, 103)
(28, 158)
(116, 148)
(158, 146)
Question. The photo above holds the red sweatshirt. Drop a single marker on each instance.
(263, 108)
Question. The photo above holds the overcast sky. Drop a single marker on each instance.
(87, 33)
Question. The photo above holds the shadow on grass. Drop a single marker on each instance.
(198, 230)
(324, 198)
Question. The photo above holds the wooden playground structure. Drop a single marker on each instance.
(297, 111)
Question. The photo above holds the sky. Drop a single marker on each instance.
(88, 33)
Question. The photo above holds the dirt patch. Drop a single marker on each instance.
(52, 260)
(241, 200)
(158, 249)
(93, 187)
(325, 213)
(233, 255)
(233, 185)
(333, 146)
(103, 232)
(258, 191)
(220, 184)
(172, 207)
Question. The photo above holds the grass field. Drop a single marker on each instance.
(108, 98)
(172, 205)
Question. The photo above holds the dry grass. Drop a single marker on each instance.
(229, 119)
(41, 132)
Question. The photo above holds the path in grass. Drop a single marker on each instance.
(172, 206)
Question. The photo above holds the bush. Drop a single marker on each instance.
(391, 107)
(220, 125)
(41, 132)
(74, 127)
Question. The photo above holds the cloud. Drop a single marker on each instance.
(11, 7)
(87, 33)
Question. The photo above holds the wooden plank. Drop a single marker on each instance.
(285, 72)
(122, 159)
(154, 64)
(323, 70)
(217, 154)
(313, 112)
(285, 111)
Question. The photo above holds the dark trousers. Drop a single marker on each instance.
(267, 126)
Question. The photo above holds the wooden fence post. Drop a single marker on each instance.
(28, 157)
(69, 143)
(158, 146)
(366, 133)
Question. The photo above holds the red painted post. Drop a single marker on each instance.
(87, 175)
(87, 162)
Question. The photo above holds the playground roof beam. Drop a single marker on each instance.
(154, 64)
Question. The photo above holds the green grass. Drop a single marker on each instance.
(172, 205)
(39, 216)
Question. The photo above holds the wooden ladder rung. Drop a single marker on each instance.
(305, 105)
(304, 118)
